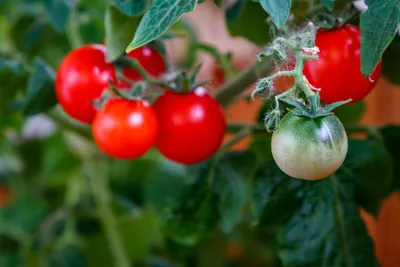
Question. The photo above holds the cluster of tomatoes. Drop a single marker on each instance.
(186, 127)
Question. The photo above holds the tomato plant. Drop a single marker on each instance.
(125, 129)
(81, 78)
(337, 72)
(191, 125)
(155, 175)
(309, 148)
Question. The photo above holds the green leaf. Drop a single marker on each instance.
(391, 139)
(119, 30)
(279, 10)
(369, 166)
(40, 94)
(69, 256)
(274, 194)
(161, 15)
(212, 194)
(132, 7)
(218, 3)
(14, 77)
(378, 27)
(242, 18)
(390, 61)
(230, 186)
(327, 229)
(329, 4)
(58, 12)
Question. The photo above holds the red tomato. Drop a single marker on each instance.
(81, 78)
(125, 129)
(337, 71)
(191, 125)
(151, 61)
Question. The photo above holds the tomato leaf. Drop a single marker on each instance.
(14, 77)
(329, 4)
(327, 229)
(58, 12)
(40, 93)
(242, 17)
(132, 7)
(209, 194)
(161, 15)
(370, 167)
(279, 10)
(391, 137)
(274, 194)
(119, 30)
(378, 28)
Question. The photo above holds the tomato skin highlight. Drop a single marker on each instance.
(191, 126)
(309, 149)
(125, 129)
(337, 71)
(150, 60)
(82, 77)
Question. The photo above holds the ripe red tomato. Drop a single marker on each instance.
(191, 125)
(81, 78)
(337, 71)
(151, 61)
(125, 129)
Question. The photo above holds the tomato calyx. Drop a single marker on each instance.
(315, 110)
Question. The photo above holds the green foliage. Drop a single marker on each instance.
(329, 4)
(378, 28)
(40, 93)
(58, 12)
(132, 8)
(279, 10)
(119, 30)
(161, 15)
(242, 17)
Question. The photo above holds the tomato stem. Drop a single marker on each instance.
(102, 196)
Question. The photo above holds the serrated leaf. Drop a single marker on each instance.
(161, 15)
(274, 194)
(40, 93)
(329, 4)
(327, 229)
(369, 166)
(119, 30)
(241, 19)
(279, 10)
(132, 7)
(378, 27)
(58, 12)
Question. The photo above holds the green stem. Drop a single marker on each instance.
(102, 196)
(229, 92)
(68, 125)
(286, 93)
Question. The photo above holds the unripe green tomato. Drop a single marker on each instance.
(309, 149)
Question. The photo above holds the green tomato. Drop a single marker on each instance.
(309, 149)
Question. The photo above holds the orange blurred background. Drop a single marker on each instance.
(382, 108)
